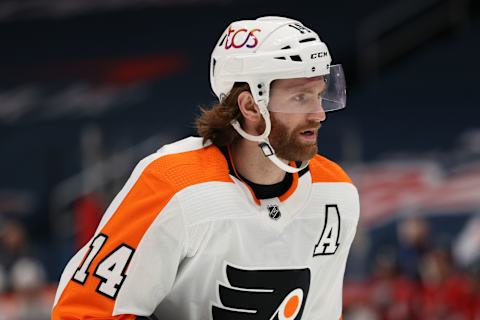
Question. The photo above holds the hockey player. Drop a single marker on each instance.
(244, 222)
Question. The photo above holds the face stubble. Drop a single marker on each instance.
(287, 143)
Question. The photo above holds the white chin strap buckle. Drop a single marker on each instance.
(270, 154)
(266, 149)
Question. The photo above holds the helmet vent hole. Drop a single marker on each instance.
(214, 62)
(296, 58)
(281, 58)
(306, 40)
(286, 47)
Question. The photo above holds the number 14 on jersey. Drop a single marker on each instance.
(110, 270)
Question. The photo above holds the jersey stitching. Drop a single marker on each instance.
(184, 223)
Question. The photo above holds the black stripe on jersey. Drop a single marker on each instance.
(303, 171)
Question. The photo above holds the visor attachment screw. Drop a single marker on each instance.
(260, 86)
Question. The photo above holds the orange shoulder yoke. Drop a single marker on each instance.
(325, 170)
(184, 169)
(160, 180)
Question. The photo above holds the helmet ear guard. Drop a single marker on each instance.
(260, 51)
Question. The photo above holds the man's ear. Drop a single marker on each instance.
(248, 107)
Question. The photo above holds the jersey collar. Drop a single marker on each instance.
(282, 190)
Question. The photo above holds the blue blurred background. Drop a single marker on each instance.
(88, 88)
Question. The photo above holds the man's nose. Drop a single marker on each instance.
(317, 115)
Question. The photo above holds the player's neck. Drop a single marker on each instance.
(251, 163)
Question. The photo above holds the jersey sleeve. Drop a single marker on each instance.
(130, 264)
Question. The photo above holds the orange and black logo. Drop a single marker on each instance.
(252, 294)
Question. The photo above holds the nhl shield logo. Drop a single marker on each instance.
(274, 211)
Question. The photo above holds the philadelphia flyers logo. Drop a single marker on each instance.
(262, 294)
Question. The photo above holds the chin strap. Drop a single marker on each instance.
(264, 143)
(270, 154)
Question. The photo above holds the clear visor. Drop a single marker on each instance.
(327, 94)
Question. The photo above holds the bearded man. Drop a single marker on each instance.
(246, 221)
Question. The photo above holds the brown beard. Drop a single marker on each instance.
(287, 145)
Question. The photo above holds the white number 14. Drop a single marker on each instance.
(111, 270)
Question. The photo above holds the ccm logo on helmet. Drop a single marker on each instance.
(319, 55)
(241, 37)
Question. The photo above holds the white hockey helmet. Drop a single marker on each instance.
(270, 48)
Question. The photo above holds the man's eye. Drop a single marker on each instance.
(300, 98)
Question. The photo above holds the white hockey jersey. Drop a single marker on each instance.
(186, 240)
